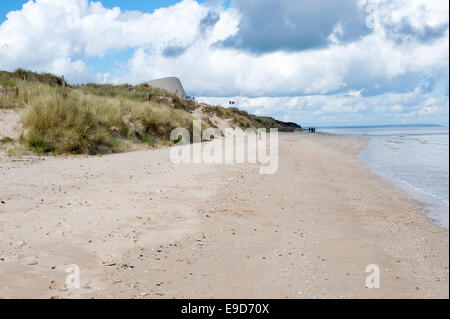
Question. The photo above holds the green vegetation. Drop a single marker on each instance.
(244, 120)
(91, 119)
(6, 140)
(19, 74)
(142, 92)
(82, 123)
(95, 119)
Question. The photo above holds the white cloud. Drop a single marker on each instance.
(56, 35)
(374, 59)
(418, 14)
(345, 108)
(377, 72)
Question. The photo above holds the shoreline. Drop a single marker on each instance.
(426, 207)
(158, 230)
(430, 206)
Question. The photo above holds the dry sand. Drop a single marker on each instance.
(139, 226)
(10, 125)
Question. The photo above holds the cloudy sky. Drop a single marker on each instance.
(327, 62)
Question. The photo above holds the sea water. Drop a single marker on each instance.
(414, 158)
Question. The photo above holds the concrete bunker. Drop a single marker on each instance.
(171, 84)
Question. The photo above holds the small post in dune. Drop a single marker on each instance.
(63, 86)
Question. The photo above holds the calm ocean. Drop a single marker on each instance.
(414, 158)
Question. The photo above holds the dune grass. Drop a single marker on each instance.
(245, 120)
(91, 119)
(142, 92)
(81, 123)
(59, 118)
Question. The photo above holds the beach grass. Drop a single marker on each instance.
(78, 122)
(58, 118)
(245, 120)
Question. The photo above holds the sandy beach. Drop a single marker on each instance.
(138, 226)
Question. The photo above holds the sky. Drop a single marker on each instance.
(317, 63)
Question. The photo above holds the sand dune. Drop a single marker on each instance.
(139, 226)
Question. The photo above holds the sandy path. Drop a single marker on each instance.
(139, 226)
(9, 124)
